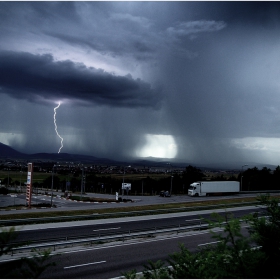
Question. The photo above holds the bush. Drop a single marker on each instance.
(26, 267)
(4, 190)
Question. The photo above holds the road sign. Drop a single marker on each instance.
(126, 186)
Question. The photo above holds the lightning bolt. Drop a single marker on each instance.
(55, 127)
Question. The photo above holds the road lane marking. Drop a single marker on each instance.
(132, 243)
(66, 267)
(120, 220)
(208, 243)
(192, 220)
(54, 253)
(106, 229)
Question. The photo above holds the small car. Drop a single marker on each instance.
(164, 194)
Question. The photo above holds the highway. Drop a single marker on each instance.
(116, 226)
(111, 260)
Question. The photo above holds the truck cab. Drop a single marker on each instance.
(194, 189)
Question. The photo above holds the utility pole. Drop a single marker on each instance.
(242, 176)
(52, 185)
(82, 182)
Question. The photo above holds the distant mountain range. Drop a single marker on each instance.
(6, 152)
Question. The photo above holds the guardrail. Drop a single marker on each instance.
(121, 235)
(197, 224)
(119, 214)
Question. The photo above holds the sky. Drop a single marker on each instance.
(195, 82)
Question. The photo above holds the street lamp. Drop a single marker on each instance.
(123, 177)
(171, 185)
(52, 184)
(8, 177)
(242, 176)
(82, 182)
(171, 177)
(20, 178)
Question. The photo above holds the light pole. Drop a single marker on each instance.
(242, 176)
(171, 185)
(52, 185)
(123, 177)
(20, 179)
(123, 181)
(8, 177)
(82, 182)
(171, 177)
(170, 166)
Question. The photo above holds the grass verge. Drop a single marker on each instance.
(45, 213)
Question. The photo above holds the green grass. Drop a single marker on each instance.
(46, 213)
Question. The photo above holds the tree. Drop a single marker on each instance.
(7, 181)
(48, 182)
(266, 234)
(192, 174)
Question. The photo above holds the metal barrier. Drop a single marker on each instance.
(122, 235)
(199, 224)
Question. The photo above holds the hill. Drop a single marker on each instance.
(7, 151)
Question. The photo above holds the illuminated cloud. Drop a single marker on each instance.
(158, 146)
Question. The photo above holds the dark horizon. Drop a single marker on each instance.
(10, 153)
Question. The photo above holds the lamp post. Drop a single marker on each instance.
(123, 181)
(171, 185)
(20, 179)
(82, 182)
(52, 185)
(242, 176)
(123, 177)
(8, 177)
(171, 177)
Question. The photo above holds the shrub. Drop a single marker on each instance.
(3, 190)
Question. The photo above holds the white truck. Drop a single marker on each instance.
(207, 188)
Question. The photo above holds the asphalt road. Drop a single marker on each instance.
(62, 204)
(37, 233)
(111, 261)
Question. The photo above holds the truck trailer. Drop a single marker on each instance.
(207, 188)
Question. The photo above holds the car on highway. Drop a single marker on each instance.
(164, 194)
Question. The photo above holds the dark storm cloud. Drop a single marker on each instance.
(40, 77)
(216, 64)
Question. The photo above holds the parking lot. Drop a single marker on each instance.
(61, 203)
